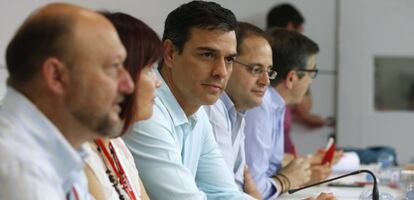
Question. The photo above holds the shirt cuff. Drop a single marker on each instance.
(273, 193)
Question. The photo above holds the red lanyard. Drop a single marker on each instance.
(117, 167)
(74, 192)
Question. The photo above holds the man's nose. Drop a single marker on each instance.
(221, 68)
(126, 85)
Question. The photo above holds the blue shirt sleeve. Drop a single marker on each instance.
(158, 159)
(259, 145)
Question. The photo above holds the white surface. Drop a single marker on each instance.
(342, 193)
(370, 28)
(349, 162)
(3, 76)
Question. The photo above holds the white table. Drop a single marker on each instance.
(341, 193)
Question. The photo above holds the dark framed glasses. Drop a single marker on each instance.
(258, 70)
(312, 72)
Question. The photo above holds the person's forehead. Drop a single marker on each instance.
(311, 64)
(257, 50)
(99, 38)
(257, 45)
(217, 39)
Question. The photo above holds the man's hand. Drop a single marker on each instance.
(323, 196)
(337, 156)
(249, 185)
(320, 173)
(287, 158)
(316, 158)
(298, 172)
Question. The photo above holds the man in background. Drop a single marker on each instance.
(245, 89)
(285, 16)
(294, 56)
(288, 17)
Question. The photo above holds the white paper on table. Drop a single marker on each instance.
(349, 162)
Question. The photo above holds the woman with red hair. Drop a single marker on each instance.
(110, 167)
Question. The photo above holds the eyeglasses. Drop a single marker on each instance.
(312, 72)
(258, 70)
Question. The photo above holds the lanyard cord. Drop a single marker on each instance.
(75, 193)
(116, 166)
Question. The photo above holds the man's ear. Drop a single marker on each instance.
(54, 73)
(290, 26)
(290, 80)
(169, 52)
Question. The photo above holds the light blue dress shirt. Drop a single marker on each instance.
(228, 128)
(37, 162)
(264, 142)
(177, 157)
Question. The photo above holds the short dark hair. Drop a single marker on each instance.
(37, 39)
(245, 30)
(143, 48)
(280, 15)
(291, 51)
(199, 14)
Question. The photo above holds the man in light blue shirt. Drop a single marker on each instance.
(175, 150)
(294, 58)
(245, 89)
(63, 90)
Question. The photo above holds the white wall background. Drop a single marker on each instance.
(370, 28)
(367, 28)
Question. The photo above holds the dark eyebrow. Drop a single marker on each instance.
(259, 64)
(268, 67)
(214, 51)
(232, 55)
(206, 49)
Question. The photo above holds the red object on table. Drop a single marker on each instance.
(329, 153)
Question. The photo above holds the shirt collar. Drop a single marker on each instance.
(231, 108)
(164, 93)
(65, 159)
(278, 101)
(227, 102)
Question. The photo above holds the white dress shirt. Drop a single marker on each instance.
(36, 161)
(228, 128)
